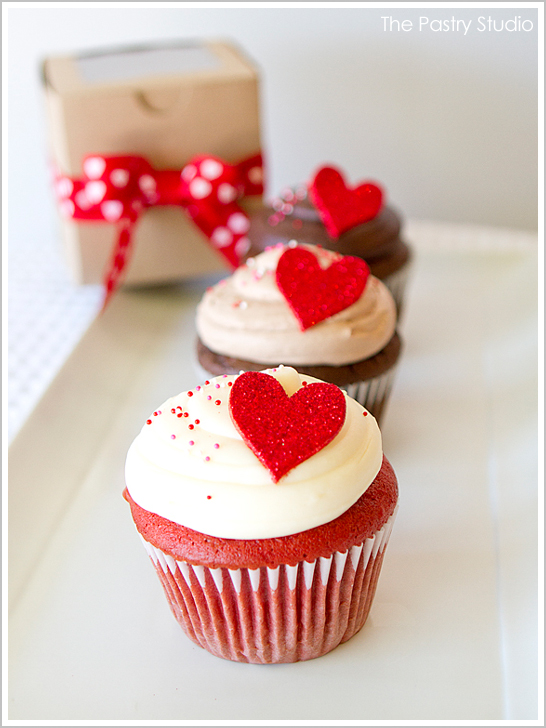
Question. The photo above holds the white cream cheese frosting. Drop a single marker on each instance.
(190, 465)
(246, 317)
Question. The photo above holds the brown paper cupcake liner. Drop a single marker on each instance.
(266, 615)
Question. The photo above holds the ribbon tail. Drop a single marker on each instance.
(118, 262)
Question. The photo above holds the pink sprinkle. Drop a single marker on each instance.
(198, 387)
(191, 442)
(173, 437)
(216, 446)
(209, 397)
(207, 459)
(217, 386)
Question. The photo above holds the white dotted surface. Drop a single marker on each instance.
(47, 316)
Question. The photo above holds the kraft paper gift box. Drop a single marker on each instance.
(166, 103)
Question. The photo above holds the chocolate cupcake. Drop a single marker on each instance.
(328, 213)
(265, 503)
(307, 307)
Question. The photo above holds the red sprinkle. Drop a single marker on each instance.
(218, 401)
(197, 422)
(304, 383)
(173, 410)
(209, 497)
(230, 384)
(190, 427)
(148, 422)
(365, 413)
(186, 414)
(179, 414)
(207, 381)
(190, 394)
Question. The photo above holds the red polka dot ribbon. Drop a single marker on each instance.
(117, 189)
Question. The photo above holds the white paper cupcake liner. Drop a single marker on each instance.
(373, 393)
(285, 614)
(397, 283)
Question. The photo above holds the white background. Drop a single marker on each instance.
(447, 122)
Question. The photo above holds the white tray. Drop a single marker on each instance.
(453, 631)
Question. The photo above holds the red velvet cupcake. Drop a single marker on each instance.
(265, 504)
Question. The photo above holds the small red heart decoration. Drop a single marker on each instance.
(340, 207)
(284, 431)
(314, 293)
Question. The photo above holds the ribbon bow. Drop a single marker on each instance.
(118, 189)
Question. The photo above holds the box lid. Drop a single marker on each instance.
(137, 68)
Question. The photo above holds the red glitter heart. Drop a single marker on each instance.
(314, 293)
(340, 207)
(284, 431)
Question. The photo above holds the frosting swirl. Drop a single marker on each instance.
(245, 316)
(190, 465)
